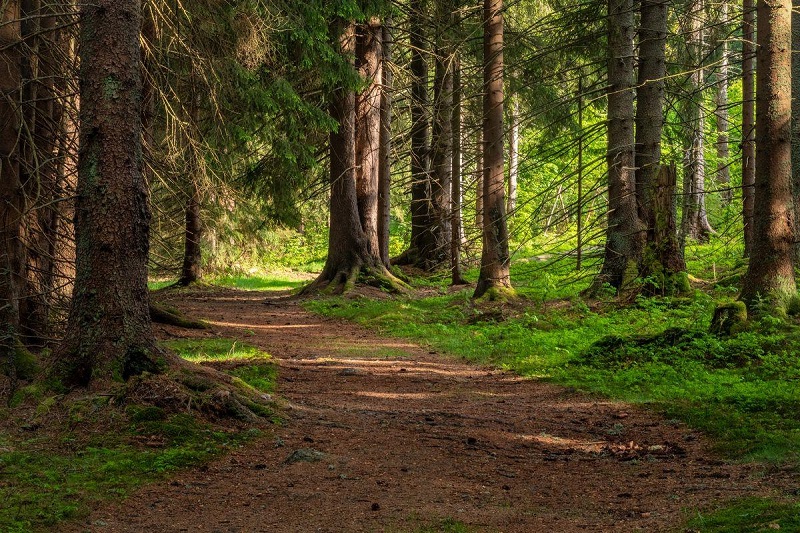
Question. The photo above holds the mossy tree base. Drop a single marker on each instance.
(345, 279)
(163, 315)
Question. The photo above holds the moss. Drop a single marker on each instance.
(729, 318)
(498, 294)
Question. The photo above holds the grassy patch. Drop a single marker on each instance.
(219, 349)
(48, 479)
(749, 516)
(42, 485)
(280, 282)
(743, 390)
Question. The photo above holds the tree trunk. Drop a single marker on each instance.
(770, 276)
(748, 122)
(694, 224)
(385, 155)
(12, 195)
(796, 125)
(513, 156)
(109, 334)
(494, 279)
(624, 236)
(455, 193)
(420, 149)
(662, 265)
(350, 256)
(193, 233)
(42, 113)
(721, 102)
(479, 179)
(368, 129)
(441, 162)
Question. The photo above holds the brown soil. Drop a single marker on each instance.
(385, 435)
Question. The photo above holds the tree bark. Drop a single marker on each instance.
(769, 281)
(479, 179)
(513, 156)
(748, 122)
(42, 110)
(455, 193)
(12, 195)
(662, 265)
(624, 235)
(420, 149)
(385, 155)
(694, 222)
(721, 112)
(109, 334)
(350, 255)
(796, 125)
(368, 129)
(494, 279)
(193, 234)
(441, 162)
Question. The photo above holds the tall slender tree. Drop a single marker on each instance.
(662, 263)
(721, 104)
(494, 277)
(770, 275)
(385, 152)
(694, 221)
(624, 234)
(748, 121)
(12, 195)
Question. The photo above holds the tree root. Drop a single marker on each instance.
(171, 317)
(190, 387)
(345, 280)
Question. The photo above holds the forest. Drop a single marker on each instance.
(399, 265)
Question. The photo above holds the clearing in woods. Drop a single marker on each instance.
(383, 435)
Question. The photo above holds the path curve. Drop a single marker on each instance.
(408, 438)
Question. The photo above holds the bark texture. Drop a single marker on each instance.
(513, 156)
(494, 279)
(769, 281)
(624, 234)
(368, 129)
(12, 195)
(456, 193)
(109, 333)
(351, 257)
(796, 124)
(694, 221)
(721, 103)
(748, 121)
(385, 153)
(441, 162)
(420, 148)
(662, 266)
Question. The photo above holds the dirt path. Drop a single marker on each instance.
(407, 438)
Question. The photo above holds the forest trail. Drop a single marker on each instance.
(392, 437)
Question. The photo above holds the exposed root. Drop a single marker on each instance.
(345, 280)
(171, 317)
(189, 387)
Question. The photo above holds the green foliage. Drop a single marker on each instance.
(44, 486)
(749, 516)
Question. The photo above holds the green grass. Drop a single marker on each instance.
(749, 516)
(218, 349)
(42, 484)
(259, 283)
(744, 391)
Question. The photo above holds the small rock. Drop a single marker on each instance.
(100, 523)
(349, 372)
(304, 455)
(376, 507)
(472, 441)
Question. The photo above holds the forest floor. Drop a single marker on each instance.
(384, 435)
